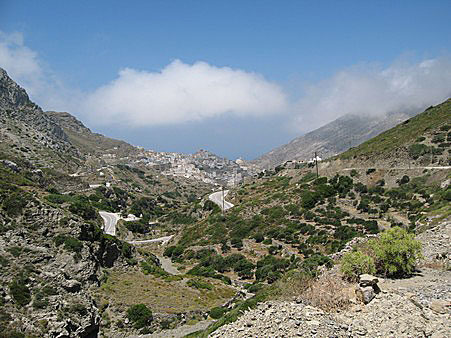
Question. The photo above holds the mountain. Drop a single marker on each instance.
(28, 132)
(86, 141)
(331, 139)
(55, 260)
(51, 255)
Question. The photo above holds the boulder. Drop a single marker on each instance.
(367, 280)
(366, 294)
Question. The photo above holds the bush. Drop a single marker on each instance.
(140, 315)
(20, 292)
(396, 252)
(259, 238)
(438, 138)
(370, 171)
(83, 209)
(14, 204)
(416, 150)
(70, 243)
(198, 284)
(217, 312)
(355, 263)
(404, 180)
(137, 227)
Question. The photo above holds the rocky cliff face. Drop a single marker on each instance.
(25, 130)
(331, 139)
(51, 262)
(51, 259)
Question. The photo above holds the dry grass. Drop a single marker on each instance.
(329, 292)
(171, 296)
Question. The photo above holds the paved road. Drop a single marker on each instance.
(164, 240)
(110, 219)
(216, 197)
(405, 168)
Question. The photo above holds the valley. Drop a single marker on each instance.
(100, 238)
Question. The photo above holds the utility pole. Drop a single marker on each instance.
(316, 163)
(222, 201)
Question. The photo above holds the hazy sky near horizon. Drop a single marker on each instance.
(235, 77)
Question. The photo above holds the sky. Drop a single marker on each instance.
(235, 77)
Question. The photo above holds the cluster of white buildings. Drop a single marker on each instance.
(203, 166)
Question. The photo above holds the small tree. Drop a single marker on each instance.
(396, 252)
(355, 263)
(140, 315)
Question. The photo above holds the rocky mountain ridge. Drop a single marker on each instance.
(333, 138)
(25, 130)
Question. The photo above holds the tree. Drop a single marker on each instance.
(140, 315)
(396, 252)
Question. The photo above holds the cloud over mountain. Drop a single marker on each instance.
(182, 92)
(372, 90)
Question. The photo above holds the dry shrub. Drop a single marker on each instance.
(290, 286)
(329, 292)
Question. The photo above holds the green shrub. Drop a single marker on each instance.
(438, 138)
(20, 292)
(416, 150)
(370, 171)
(396, 252)
(70, 243)
(420, 139)
(217, 312)
(198, 284)
(356, 263)
(84, 209)
(137, 227)
(40, 301)
(259, 238)
(140, 315)
(149, 267)
(14, 204)
(404, 180)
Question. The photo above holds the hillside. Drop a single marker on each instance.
(424, 138)
(59, 271)
(289, 227)
(86, 141)
(26, 131)
(331, 139)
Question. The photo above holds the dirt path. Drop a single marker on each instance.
(181, 331)
(167, 265)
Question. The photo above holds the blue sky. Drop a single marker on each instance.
(235, 77)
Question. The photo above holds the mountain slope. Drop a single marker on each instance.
(424, 135)
(330, 139)
(87, 141)
(26, 131)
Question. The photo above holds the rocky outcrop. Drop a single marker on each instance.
(56, 262)
(26, 128)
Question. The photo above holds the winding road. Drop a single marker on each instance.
(110, 220)
(217, 197)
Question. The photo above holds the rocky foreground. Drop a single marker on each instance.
(419, 306)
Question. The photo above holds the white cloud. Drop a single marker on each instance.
(183, 93)
(24, 67)
(20, 61)
(372, 90)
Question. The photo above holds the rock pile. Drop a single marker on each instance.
(367, 288)
(285, 319)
